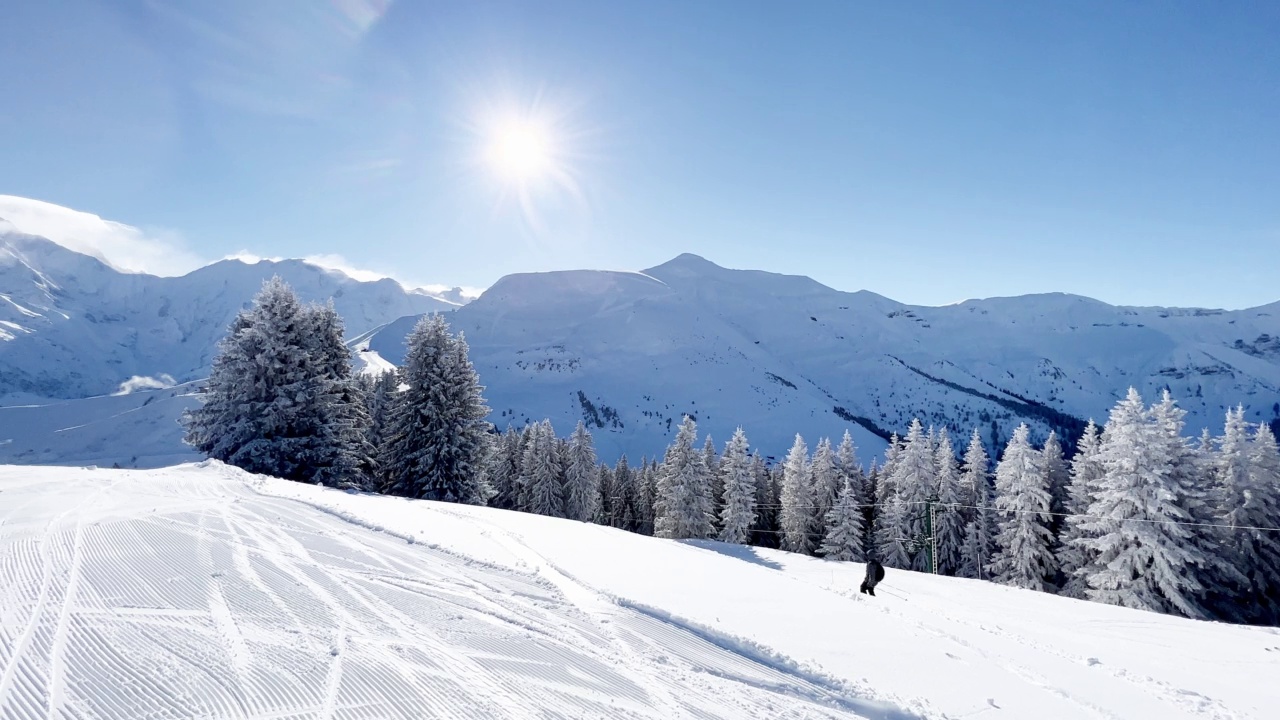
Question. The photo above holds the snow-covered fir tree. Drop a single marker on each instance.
(738, 507)
(343, 455)
(1245, 490)
(1144, 558)
(1261, 548)
(891, 454)
(824, 473)
(893, 549)
(504, 471)
(844, 531)
(711, 460)
(913, 484)
(1190, 480)
(682, 507)
(270, 401)
(1024, 545)
(379, 392)
(581, 477)
(798, 526)
(1075, 557)
(623, 502)
(870, 511)
(646, 497)
(765, 531)
(849, 466)
(437, 433)
(606, 492)
(542, 476)
(949, 523)
(1059, 477)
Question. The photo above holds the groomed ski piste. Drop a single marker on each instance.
(202, 591)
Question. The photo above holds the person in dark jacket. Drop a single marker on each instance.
(875, 573)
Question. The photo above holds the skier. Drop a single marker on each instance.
(875, 573)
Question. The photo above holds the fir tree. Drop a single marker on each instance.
(268, 401)
(683, 502)
(379, 396)
(606, 492)
(343, 455)
(844, 531)
(827, 483)
(647, 497)
(1261, 548)
(505, 471)
(850, 468)
(1190, 480)
(976, 492)
(1024, 545)
(765, 531)
(711, 461)
(871, 512)
(913, 484)
(541, 473)
(887, 470)
(581, 478)
(1075, 557)
(623, 506)
(437, 434)
(1059, 478)
(1245, 491)
(738, 508)
(1145, 559)
(798, 525)
(949, 524)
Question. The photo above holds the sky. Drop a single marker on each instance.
(930, 152)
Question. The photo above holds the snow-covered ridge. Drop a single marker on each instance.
(201, 591)
(784, 354)
(72, 326)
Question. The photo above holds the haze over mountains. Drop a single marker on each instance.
(629, 353)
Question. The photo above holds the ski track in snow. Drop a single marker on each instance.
(128, 595)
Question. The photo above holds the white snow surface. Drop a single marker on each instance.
(202, 591)
(135, 430)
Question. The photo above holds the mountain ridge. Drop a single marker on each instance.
(784, 354)
(632, 352)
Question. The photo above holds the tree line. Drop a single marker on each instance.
(1139, 516)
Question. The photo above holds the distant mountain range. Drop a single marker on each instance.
(632, 352)
(629, 353)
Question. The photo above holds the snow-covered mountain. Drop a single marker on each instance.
(201, 591)
(627, 352)
(632, 352)
(72, 326)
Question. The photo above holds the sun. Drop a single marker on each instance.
(521, 151)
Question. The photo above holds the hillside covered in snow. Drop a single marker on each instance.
(72, 326)
(631, 353)
(201, 591)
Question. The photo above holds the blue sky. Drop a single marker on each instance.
(927, 151)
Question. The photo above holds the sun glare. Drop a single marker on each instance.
(521, 152)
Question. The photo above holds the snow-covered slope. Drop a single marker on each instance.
(632, 352)
(204, 592)
(72, 326)
(137, 430)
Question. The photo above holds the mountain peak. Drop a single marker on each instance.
(686, 264)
